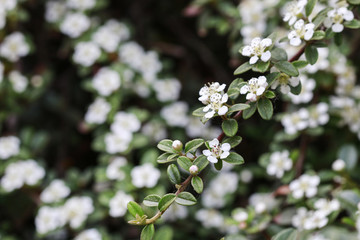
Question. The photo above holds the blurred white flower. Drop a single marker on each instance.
(18, 81)
(240, 215)
(86, 53)
(125, 122)
(167, 89)
(155, 130)
(301, 31)
(49, 219)
(77, 209)
(114, 171)
(316, 220)
(336, 17)
(116, 143)
(210, 89)
(74, 24)
(8, 5)
(106, 81)
(305, 185)
(321, 64)
(338, 165)
(285, 81)
(246, 176)
(145, 175)
(9, 146)
(217, 151)
(209, 218)
(296, 121)
(254, 88)
(306, 94)
(258, 49)
(14, 46)
(97, 111)
(118, 204)
(54, 11)
(262, 202)
(56, 191)
(292, 10)
(131, 53)
(1, 72)
(279, 163)
(175, 114)
(299, 219)
(175, 212)
(318, 115)
(326, 207)
(150, 65)
(81, 4)
(89, 234)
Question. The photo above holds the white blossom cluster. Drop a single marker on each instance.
(25, 172)
(279, 163)
(254, 88)
(258, 50)
(214, 98)
(118, 204)
(312, 117)
(89, 234)
(14, 46)
(305, 185)
(9, 146)
(145, 175)
(217, 151)
(74, 212)
(56, 191)
(5, 7)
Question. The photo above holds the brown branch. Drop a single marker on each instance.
(300, 162)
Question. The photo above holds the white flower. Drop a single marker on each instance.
(210, 218)
(18, 81)
(249, 32)
(246, 176)
(175, 114)
(155, 130)
(315, 220)
(258, 49)
(86, 53)
(254, 88)
(132, 54)
(116, 143)
(263, 202)
(224, 183)
(118, 204)
(292, 10)
(296, 121)
(217, 151)
(240, 215)
(106, 81)
(56, 191)
(336, 17)
(9, 146)
(32, 171)
(318, 115)
(8, 5)
(75, 24)
(113, 171)
(210, 89)
(301, 31)
(299, 219)
(210, 198)
(174, 212)
(252, 12)
(145, 175)
(150, 66)
(54, 11)
(77, 209)
(110, 35)
(279, 163)
(338, 165)
(81, 4)
(306, 94)
(326, 207)
(14, 46)
(2, 18)
(89, 234)
(49, 219)
(284, 81)
(125, 122)
(216, 105)
(305, 185)
(97, 111)
(167, 89)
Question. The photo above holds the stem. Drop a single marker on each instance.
(300, 162)
(298, 54)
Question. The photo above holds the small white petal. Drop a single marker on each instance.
(253, 59)
(223, 110)
(266, 56)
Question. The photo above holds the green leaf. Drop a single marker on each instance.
(297, 89)
(265, 108)
(186, 199)
(279, 54)
(166, 201)
(135, 209)
(318, 35)
(230, 127)
(349, 154)
(309, 7)
(270, 94)
(311, 54)
(354, 2)
(300, 64)
(147, 232)
(238, 107)
(261, 66)
(164, 233)
(234, 88)
(184, 162)
(201, 162)
(234, 158)
(218, 166)
(193, 145)
(197, 184)
(233, 141)
(166, 145)
(271, 77)
(151, 200)
(320, 17)
(287, 234)
(166, 157)
(288, 68)
(174, 174)
(247, 113)
(199, 112)
(354, 24)
(243, 68)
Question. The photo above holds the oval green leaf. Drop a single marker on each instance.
(174, 174)
(186, 199)
(166, 201)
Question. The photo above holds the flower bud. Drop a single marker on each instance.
(194, 169)
(338, 165)
(177, 145)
